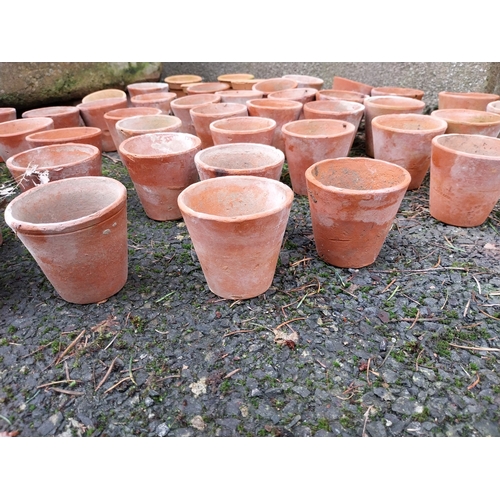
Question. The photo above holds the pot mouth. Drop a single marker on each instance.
(24, 126)
(243, 124)
(207, 87)
(410, 123)
(159, 144)
(119, 114)
(275, 84)
(342, 94)
(235, 76)
(318, 128)
(235, 199)
(469, 145)
(66, 205)
(293, 94)
(51, 111)
(467, 95)
(67, 133)
(274, 104)
(304, 79)
(398, 91)
(358, 176)
(147, 123)
(467, 116)
(147, 85)
(335, 106)
(394, 102)
(104, 94)
(218, 108)
(189, 101)
(101, 103)
(154, 97)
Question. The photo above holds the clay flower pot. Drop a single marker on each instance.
(306, 81)
(254, 129)
(400, 91)
(229, 78)
(176, 82)
(353, 203)
(93, 112)
(51, 163)
(465, 178)
(63, 116)
(337, 109)
(113, 117)
(236, 224)
(14, 132)
(135, 89)
(161, 165)
(274, 84)
(146, 124)
(105, 94)
(280, 110)
(76, 230)
(7, 115)
(493, 107)
(240, 159)
(302, 95)
(160, 100)
(345, 95)
(386, 105)
(239, 96)
(340, 83)
(469, 121)
(406, 140)
(465, 100)
(206, 88)
(181, 108)
(78, 135)
(205, 114)
(310, 141)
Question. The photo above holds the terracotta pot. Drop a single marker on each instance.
(353, 204)
(310, 141)
(229, 78)
(206, 88)
(135, 89)
(465, 100)
(386, 105)
(302, 95)
(406, 141)
(14, 132)
(469, 121)
(340, 83)
(51, 163)
(493, 107)
(465, 178)
(160, 100)
(274, 84)
(245, 84)
(76, 230)
(105, 94)
(176, 82)
(239, 96)
(7, 115)
(78, 135)
(181, 108)
(236, 224)
(161, 165)
(344, 95)
(306, 81)
(348, 111)
(205, 114)
(280, 110)
(63, 116)
(93, 112)
(254, 129)
(113, 117)
(146, 124)
(400, 91)
(240, 159)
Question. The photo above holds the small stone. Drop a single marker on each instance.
(198, 423)
(162, 430)
(200, 387)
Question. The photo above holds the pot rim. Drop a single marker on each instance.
(185, 104)
(313, 105)
(250, 179)
(304, 78)
(229, 77)
(280, 104)
(154, 96)
(72, 225)
(466, 95)
(353, 93)
(101, 103)
(135, 111)
(146, 85)
(270, 124)
(359, 192)
(36, 122)
(123, 146)
(304, 92)
(348, 128)
(95, 96)
(49, 111)
(86, 132)
(403, 89)
(169, 120)
(226, 108)
(400, 102)
(439, 123)
(436, 142)
(467, 113)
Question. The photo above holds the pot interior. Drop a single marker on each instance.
(409, 122)
(147, 122)
(160, 144)
(244, 123)
(240, 157)
(54, 156)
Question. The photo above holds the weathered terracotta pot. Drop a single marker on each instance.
(176, 82)
(135, 89)
(161, 165)
(310, 141)
(240, 159)
(493, 107)
(256, 129)
(146, 124)
(7, 115)
(302, 95)
(469, 121)
(51, 163)
(63, 116)
(386, 105)
(345, 95)
(400, 91)
(406, 140)
(229, 78)
(78, 135)
(340, 83)
(465, 100)
(76, 230)
(113, 117)
(236, 224)
(93, 112)
(160, 100)
(280, 110)
(353, 204)
(205, 114)
(348, 111)
(239, 96)
(105, 94)
(306, 81)
(465, 178)
(206, 88)
(181, 108)
(274, 84)
(13, 134)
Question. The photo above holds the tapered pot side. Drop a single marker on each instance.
(161, 165)
(464, 178)
(406, 140)
(237, 224)
(76, 230)
(353, 203)
(469, 121)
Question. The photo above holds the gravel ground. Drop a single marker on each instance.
(408, 346)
